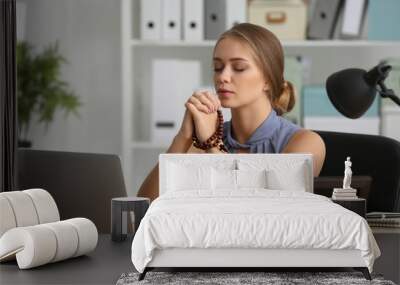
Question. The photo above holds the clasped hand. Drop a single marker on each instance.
(200, 115)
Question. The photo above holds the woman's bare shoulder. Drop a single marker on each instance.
(307, 141)
(304, 139)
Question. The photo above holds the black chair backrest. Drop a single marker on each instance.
(376, 156)
(82, 184)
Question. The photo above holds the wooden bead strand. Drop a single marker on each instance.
(215, 140)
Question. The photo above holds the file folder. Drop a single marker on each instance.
(171, 19)
(193, 20)
(150, 19)
(337, 34)
(173, 82)
(324, 19)
(236, 11)
(221, 15)
(353, 18)
(165, 99)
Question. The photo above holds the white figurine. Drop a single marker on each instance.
(347, 174)
(347, 192)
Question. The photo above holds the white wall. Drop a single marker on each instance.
(89, 37)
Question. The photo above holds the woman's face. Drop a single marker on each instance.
(238, 79)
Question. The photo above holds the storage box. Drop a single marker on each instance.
(287, 19)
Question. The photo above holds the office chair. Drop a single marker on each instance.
(375, 156)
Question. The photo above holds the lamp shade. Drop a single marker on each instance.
(351, 91)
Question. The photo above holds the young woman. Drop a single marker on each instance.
(248, 76)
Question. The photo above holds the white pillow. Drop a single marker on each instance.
(280, 174)
(251, 178)
(293, 179)
(181, 177)
(223, 179)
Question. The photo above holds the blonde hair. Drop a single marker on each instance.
(270, 57)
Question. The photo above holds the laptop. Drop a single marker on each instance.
(82, 184)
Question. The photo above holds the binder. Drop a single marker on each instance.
(213, 19)
(325, 16)
(169, 95)
(164, 99)
(235, 12)
(171, 19)
(193, 20)
(221, 15)
(339, 23)
(150, 20)
(353, 17)
(311, 4)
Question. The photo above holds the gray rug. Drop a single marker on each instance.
(228, 278)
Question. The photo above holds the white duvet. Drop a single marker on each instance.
(251, 218)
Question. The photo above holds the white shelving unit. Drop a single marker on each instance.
(139, 153)
(287, 44)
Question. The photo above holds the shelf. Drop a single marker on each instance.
(289, 44)
(148, 43)
(321, 59)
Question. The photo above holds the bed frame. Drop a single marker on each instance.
(242, 258)
(256, 258)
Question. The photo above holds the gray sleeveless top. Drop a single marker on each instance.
(270, 137)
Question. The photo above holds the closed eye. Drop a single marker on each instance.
(236, 69)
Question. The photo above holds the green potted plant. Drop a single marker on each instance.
(39, 88)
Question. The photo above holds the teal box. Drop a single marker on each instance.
(383, 18)
(316, 103)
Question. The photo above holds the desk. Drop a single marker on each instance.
(102, 266)
(388, 263)
(111, 259)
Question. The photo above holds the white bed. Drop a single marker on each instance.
(247, 210)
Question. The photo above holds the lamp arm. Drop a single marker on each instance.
(388, 93)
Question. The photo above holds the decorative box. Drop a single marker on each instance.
(287, 19)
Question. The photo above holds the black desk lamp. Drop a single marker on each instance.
(353, 90)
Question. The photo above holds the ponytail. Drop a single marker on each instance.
(286, 100)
